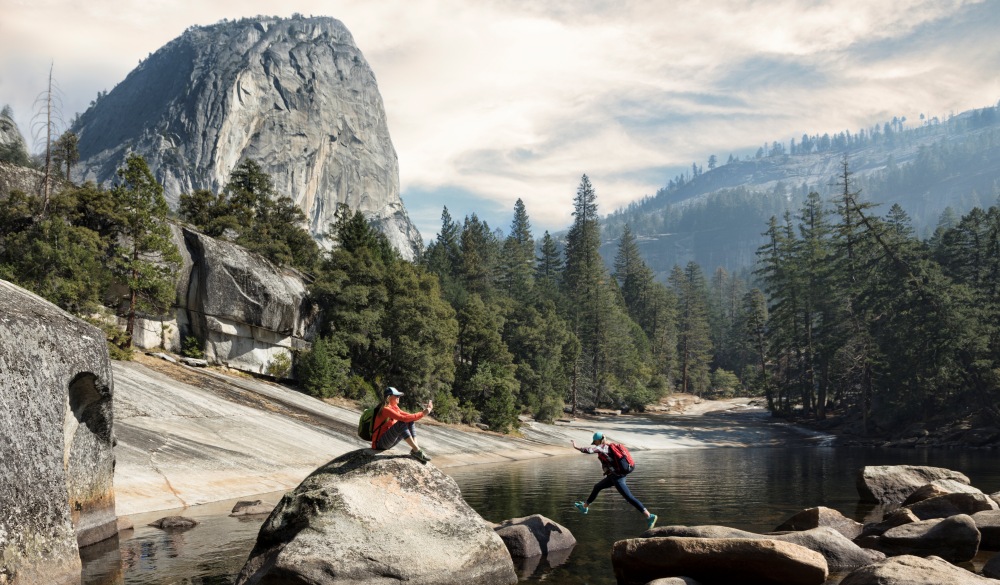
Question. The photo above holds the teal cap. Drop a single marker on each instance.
(598, 436)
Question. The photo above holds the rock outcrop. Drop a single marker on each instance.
(57, 468)
(951, 505)
(911, 570)
(822, 516)
(954, 539)
(839, 552)
(296, 95)
(369, 517)
(534, 535)
(717, 560)
(246, 310)
(891, 484)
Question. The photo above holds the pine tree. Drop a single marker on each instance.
(694, 345)
(145, 257)
(518, 257)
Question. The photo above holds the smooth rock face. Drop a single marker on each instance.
(940, 487)
(951, 505)
(889, 484)
(954, 539)
(717, 560)
(377, 518)
(534, 535)
(912, 570)
(57, 468)
(296, 95)
(822, 516)
(839, 552)
(247, 310)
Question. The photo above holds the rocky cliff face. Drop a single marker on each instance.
(296, 95)
(246, 310)
(57, 468)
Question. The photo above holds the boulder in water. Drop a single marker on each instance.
(955, 539)
(534, 535)
(373, 517)
(950, 505)
(913, 570)
(822, 516)
(889, 484)
(939, 487)
(174, 523)
(988, 523)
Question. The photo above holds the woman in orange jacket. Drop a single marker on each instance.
(392, 425)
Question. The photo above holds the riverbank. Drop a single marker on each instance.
(188, 436)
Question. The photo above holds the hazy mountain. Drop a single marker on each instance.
(716, 217)
(296, 95)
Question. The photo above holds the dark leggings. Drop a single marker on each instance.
(619, 482)
(395, 434)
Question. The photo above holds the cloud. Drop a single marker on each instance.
(491, 101)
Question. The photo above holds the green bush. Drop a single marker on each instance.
(358, 388)
(191, 347)
(549, 410)
(447, 408)
(322, 371)
(497, 383)
(279, 366)
(119, 347)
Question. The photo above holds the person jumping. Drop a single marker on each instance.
(612, 477)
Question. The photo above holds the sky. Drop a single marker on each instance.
(489, 101)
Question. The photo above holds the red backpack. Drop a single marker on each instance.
(619, 458)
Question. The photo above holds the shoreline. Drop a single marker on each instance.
(191, 436)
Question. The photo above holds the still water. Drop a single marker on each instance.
(753, 489)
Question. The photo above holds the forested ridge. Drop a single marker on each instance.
(846, 311)
(928, 166)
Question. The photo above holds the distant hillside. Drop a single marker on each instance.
(716, 218)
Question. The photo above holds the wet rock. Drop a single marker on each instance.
(377, 517)
(251, 508)
(888, 484)
(954, 539)
(57, 461)
(534, 535)
(822, 516)
(717, 560)
(838, 550)
(951, 505)
(174, 523)
(939, 487)
(988, 523)
(913, 570)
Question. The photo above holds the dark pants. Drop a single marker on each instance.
(395, 434)
(619, 482)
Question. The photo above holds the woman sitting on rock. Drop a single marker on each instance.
(601, 446)
(393, 425)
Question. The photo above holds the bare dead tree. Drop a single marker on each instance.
(48, 115)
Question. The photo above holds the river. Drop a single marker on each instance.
(752, 488)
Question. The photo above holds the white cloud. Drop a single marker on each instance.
(506, 99)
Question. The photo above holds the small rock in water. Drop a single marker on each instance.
(173, 522)
(251, 508)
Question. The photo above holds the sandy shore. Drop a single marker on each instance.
(188, 436)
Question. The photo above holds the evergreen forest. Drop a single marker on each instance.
(846, 310)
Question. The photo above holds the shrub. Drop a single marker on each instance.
(191, 347)
(279, 366)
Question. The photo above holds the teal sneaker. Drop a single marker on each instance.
(651, 521)
(581, 507)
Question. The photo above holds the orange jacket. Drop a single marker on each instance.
(387, 416)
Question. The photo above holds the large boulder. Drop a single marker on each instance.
(57, 467)
(954, 539)
(247, 311)
(839, 552)
(889, 484)
(951, 505)
(988, 523)
(913, 570)
(822, 516)
(893, 519)
(717, 560)
(534, 535)
(369, 517)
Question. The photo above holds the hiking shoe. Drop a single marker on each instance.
(651, 521)
(419, 456)
(581, 507)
